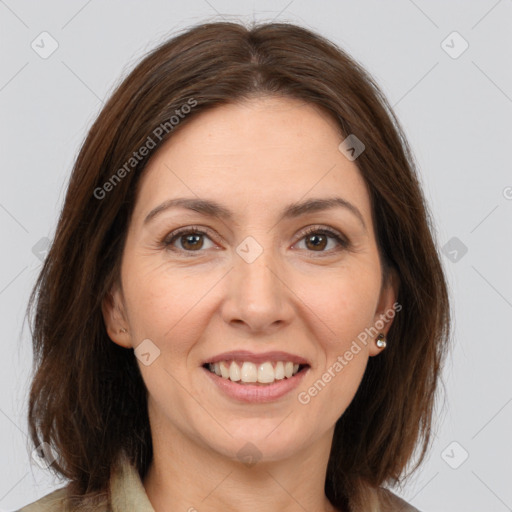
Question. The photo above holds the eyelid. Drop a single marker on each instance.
(342, 240)
(317, 228)
(169, 239)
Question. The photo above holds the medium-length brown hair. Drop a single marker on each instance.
(87, 398)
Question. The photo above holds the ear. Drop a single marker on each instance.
(387, 307)
(115, 318)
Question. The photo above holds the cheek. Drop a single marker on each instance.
(173, 307)
(348, 309)
(346, 305)
(161, 304)
(346, 312)
(166, 309)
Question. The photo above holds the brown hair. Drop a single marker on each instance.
(87, 397)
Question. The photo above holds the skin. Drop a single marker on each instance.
(254, 158)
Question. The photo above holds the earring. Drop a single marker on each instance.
(123, 330)
(381, 341)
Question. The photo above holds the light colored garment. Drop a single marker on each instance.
(126, 492)
(128, 495)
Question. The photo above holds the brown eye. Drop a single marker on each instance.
(189, 239)
(191, 242)
(317, 239)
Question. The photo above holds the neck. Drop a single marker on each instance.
(188, 475)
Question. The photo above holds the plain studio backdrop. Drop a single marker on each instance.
(445, 68)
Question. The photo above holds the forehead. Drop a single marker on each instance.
(254, 156)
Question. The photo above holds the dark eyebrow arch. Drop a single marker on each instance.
(215, 210)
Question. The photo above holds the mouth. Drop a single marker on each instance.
(264, 373)
(255, 383)
(257, 378)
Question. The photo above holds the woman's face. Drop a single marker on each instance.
(252, 280)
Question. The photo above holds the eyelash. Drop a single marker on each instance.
(194, 230)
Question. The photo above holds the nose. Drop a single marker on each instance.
(257, 296)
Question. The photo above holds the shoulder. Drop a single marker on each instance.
(59, 501)
(123, 492)
(54, 501)
(390, 502)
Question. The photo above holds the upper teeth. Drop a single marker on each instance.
(264, 373)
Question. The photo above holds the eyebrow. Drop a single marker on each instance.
(213, 209)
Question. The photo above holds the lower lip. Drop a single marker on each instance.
(257, 393)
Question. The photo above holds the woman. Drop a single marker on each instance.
(243, 307)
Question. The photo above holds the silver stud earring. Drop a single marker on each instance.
(381, 341)
(123, 330)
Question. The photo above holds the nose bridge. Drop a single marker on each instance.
(257, 294)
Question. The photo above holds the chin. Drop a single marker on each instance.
(252, 442)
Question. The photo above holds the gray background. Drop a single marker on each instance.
(455, 111)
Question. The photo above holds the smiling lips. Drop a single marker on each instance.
(264, 373)
(245, 367)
